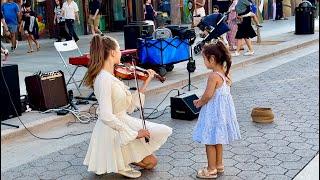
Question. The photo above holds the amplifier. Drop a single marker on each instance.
(182, 107)
(47, 90)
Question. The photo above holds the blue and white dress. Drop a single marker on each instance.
(217, 122)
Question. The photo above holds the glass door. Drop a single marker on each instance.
(119, 14)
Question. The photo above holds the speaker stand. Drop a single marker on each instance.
(11, 125)
(189, 85)
(191, 67)
(88, 98)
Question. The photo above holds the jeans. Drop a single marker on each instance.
(62, 32)
(70, 27)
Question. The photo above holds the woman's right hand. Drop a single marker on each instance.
(143, 133)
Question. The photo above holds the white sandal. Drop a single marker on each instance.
(205, 174)
(132, 173)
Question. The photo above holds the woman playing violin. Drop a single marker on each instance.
(118, 139)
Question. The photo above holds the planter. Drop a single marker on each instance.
(262, 115)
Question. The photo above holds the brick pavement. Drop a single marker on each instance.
(267, 151)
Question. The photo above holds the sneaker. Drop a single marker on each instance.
(249, 53)
(235, 54)
(259, 25)
(132, 173)
(6, 54)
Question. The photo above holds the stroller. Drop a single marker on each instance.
(215, 25)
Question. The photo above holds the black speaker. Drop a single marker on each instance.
(133, 31)
(9, 73)
(47, 90)
(182, 107)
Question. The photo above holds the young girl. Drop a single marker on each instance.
(117, 139)
(217, 123)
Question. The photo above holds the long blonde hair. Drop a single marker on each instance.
(100, 49)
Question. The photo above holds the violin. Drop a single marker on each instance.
(128, 72)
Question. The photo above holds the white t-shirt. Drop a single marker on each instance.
(70, 10)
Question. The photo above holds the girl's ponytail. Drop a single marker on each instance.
(225, 56)
(100, 49)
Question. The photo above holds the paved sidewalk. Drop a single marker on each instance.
(48, 60)
(267, 151)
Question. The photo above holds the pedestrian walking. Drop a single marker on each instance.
(149, 12)
(4, 31)
(279, 10)
(217, 123)
(241, 9)
(94, 17)
(199, 12)
(232, 22)
(70, 11)
(60, 20)
(11, 12)
(29, 26)
(117, 139)
(245, 33)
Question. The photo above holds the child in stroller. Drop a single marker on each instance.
(213, 27)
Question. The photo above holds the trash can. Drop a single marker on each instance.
(135, 30)
(304, 18)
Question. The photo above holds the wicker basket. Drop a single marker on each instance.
(262, 115)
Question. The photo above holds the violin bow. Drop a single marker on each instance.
(141, 108)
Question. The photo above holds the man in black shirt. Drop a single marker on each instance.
(94, 17)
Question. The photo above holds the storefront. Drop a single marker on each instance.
(45, 16)
(116, 13)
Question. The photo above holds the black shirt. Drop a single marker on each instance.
(26, 18)
(94, 5)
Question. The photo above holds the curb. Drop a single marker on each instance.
(52, 121)
(37, 126)
(249, 61)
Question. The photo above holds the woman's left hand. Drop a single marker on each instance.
(151, 74)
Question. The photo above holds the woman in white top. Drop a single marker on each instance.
(118, 139)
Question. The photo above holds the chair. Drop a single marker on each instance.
(66, 47)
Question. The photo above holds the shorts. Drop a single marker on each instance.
(13, 28)
(94, 22)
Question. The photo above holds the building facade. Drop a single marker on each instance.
(116, 13)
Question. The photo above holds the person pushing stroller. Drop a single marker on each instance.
(212, 26)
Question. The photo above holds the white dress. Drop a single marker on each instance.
(113, 145)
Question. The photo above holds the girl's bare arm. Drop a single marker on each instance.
(210, 89)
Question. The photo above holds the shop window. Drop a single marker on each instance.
(119, 10)
(39, 7)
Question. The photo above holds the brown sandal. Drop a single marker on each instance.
(204, 173)
(220, 169)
